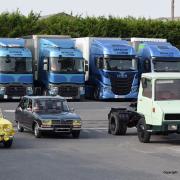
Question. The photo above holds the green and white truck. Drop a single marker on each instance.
(157, 110)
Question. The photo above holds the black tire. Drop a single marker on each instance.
(117, 126)
(143, 135)
(76, 134)
(8, 144)
(96, 93)
(37, 133)
(19, 127)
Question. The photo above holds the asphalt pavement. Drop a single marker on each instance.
(95, 155)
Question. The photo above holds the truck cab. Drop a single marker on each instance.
(16, 77)
(156, 55)
(112, 70)
(156, 111)
(60, 66)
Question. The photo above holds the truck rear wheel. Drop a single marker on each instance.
(143, 135)
(116, 125)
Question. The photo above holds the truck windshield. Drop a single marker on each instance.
(119, 64)
(67, 65)
(167, 89)
(47, 106)
(15, 65)
(166, 66)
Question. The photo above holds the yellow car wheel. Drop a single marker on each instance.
(8, 144)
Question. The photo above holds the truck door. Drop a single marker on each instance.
(145, 99)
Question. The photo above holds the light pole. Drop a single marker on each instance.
(172, 9)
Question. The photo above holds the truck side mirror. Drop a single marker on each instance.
(99, 63)
(86, 65)
(147, 65)
(45, 65)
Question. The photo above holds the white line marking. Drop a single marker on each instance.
(9, 111)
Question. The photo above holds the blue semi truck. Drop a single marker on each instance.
(16, 77)
(112, 71)
(156, 55)
(57, 65)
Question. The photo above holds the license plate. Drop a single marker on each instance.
(119, 96)
(68, 97)
(172, 127)
(15, 97)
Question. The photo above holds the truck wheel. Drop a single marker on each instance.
(143, 135)
(8, 144)
(75, 134)
(19, 127)
(37, 133)
(96, 93)
(117, 127)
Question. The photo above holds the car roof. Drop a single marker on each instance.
(45, 97)
(162, 75)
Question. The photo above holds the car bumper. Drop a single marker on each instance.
(59, 129)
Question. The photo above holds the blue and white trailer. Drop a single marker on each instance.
(112, 72)
(16, 77)
(156, 55)
(58, 66)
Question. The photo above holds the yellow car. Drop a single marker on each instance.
(6, 131)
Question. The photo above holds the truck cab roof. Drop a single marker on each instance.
(113, 46)
(158, 49)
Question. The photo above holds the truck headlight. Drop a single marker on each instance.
(2, 88)
(53, 90)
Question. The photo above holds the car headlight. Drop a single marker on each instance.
(2, 88)
(47, 122)
(77, 123)
(7, 128)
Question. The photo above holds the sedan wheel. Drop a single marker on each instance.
(19, 127)
(37, 133)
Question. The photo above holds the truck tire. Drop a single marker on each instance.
(116, 125)
(143, 135)
(96, 93)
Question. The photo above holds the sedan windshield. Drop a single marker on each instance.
(50, 106)
(166, 66)
(67, 65)
(167, 90)
(119, 64)
(15, 65)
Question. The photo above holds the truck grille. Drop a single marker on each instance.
(172, 117)
(62, 123)
(15, 91)
(121, 86)
(68, 91)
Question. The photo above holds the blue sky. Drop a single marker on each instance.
(121, 8)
